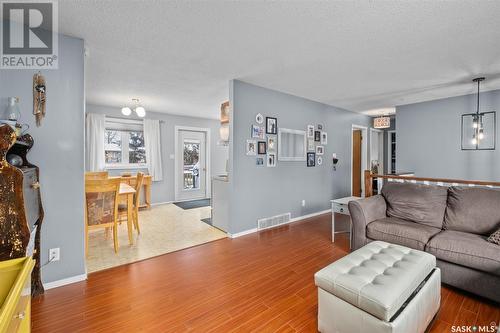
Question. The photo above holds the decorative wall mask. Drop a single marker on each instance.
(39, 97)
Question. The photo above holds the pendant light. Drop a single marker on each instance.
(477, 122)
(138, 109)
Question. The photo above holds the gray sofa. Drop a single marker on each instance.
(452, 223)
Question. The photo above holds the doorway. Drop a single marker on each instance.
(191, 163)
(359, 153)
(377, 165)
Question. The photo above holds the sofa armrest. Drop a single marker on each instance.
(363, 212)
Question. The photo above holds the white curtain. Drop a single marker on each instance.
(153, 148)
(94, 129)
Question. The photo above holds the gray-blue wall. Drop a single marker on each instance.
(429, 134)
(59, 152)
(164, 191)
(258, 191)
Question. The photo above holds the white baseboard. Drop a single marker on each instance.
(161, 203)
(63, 282)
(293, 220)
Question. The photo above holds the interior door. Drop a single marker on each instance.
(191, 165)
(356, 163)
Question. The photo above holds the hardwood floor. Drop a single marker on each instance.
(261, 282)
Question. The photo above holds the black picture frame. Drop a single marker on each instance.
(311, 159)
(271, 125)
(317, 136)
(261, 148)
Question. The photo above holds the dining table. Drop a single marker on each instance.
(127, 192)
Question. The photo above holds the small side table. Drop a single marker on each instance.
(340, 206)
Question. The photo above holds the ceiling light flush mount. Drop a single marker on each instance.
(138, 109)
(382, 122)
(479, 128)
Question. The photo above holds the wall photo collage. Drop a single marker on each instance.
(264, 142)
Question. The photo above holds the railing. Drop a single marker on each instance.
(370, 176)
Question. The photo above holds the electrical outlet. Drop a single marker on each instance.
(54, 254)
(303, 203)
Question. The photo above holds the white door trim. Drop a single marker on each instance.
(364, 154)
(382, 162)
(177, 129)
(389, 151)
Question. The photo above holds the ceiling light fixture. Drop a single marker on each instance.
(479, 128)
(139, 109)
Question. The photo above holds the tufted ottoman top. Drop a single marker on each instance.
(377, 278)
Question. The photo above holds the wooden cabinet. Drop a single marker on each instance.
(15, 295)
(21, 212)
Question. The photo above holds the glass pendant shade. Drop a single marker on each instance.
(13, 111)
(141, 112)
(126, 111)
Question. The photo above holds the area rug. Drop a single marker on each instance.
(193, 204)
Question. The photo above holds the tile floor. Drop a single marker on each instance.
(164, 228)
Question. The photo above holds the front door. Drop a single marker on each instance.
(191, 165)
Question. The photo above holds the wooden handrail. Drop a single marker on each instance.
(369, 176)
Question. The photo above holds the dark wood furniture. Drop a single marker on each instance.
(21, 211)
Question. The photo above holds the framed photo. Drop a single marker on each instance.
(317, 136)
(311, 159)
(271, 142)
(261, 148)
(310, 145)
(320, 127)
(324, 138)
(251, 148)
(319, 160)
(320, 150)
(271, 160)
(259, 118)
(259, 161)
(271, 125)
(257, 132)
(310, 131)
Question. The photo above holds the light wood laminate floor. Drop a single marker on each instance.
(164, 228)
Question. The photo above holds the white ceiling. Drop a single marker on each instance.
(178, 56)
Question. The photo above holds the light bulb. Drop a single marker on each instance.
(474, 124)
(474, 140)
(141, 112)
(481, 134)
(126, 111)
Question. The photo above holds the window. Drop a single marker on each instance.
(124, 143)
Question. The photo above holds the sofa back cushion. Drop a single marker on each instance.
(424, 204)
(473, 209)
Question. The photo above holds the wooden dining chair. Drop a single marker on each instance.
(122, 208)
(101, 207)
(96, 175)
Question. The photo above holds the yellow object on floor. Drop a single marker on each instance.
(15, 295)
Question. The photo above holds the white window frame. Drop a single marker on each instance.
(124, 125)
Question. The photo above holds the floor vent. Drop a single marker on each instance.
(273, 221)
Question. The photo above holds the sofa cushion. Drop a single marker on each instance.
(473, 209)
(398, 231)
(424, 204)
(466, 249)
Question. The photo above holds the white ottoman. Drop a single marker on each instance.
(381, 287)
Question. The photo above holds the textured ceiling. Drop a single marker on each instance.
(178, 56)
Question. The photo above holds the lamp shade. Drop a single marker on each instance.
(224, 133)
(126, 111)
(141, 112)
(382, 122)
